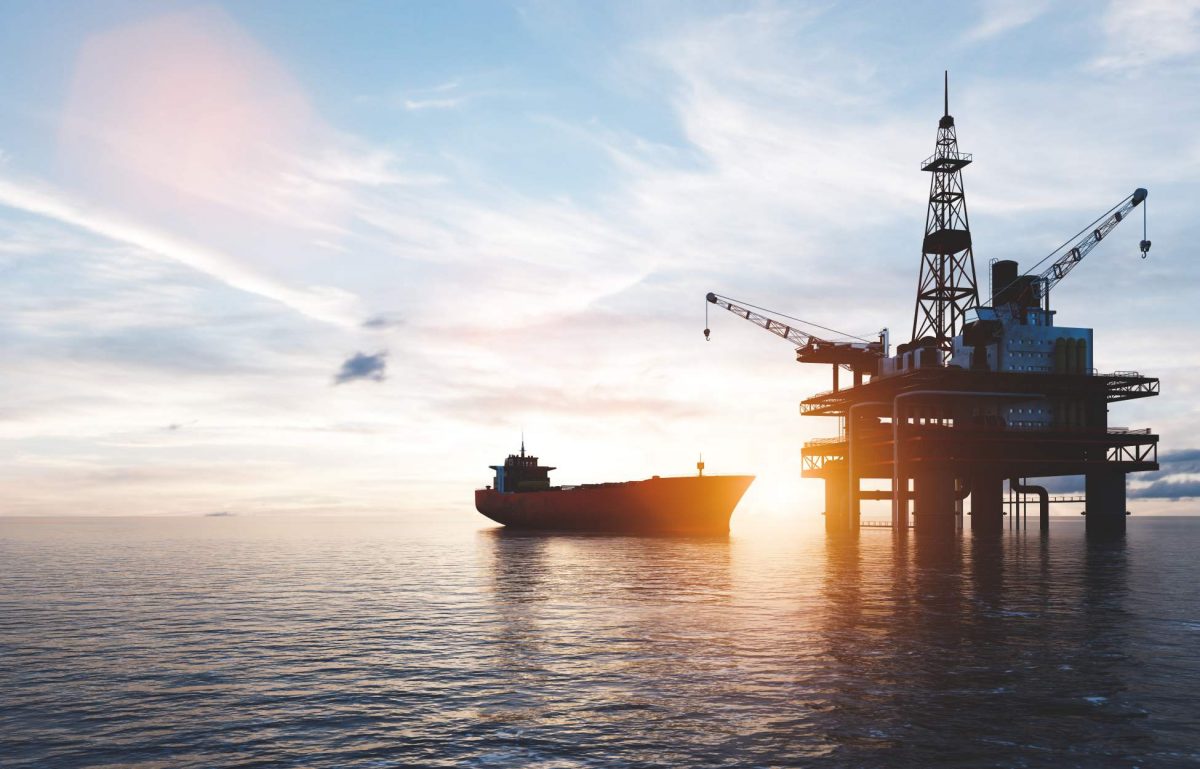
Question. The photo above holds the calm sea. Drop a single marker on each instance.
(265, 642)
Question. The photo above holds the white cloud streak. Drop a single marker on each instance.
(1148, 33)
(325, 304)
(999, 17)
(419, 105)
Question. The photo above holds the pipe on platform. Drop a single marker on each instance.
(897, 503)
(1043, 500)
(852, 489)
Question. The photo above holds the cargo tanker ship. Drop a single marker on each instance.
(522, 497)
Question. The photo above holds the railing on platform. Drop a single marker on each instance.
(953, 158)
(874, 524)
(825, 441)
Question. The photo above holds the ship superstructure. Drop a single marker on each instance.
(521, 473)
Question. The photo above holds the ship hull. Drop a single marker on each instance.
(693, 505)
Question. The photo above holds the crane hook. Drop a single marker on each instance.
(706, 331)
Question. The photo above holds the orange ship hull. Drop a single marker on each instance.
(696, 504)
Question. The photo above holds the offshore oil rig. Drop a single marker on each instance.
(982, 394)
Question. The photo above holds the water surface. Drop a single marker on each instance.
(203, 642)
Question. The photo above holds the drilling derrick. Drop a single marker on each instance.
(946, 288)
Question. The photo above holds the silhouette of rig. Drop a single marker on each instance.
(982, 394)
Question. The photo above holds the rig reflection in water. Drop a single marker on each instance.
(838, 651)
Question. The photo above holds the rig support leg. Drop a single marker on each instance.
(837, 507)
(933, 509)
(1105, 503)
(901, 510)
(987, 505)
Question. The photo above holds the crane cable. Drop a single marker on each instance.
(1075, 237)
(1145, 244)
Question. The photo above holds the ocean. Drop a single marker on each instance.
(427, 641)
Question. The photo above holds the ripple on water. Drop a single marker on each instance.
(418, 642)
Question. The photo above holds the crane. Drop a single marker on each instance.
(860, 357)
(1085, 240)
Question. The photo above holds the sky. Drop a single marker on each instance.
(309, 257)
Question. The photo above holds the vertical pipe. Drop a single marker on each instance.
(1043, 501)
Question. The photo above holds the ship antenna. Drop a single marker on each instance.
(522, 441)
(700, 464)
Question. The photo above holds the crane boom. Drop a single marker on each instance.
(1051, 276)
(795, 336)
(861, 357)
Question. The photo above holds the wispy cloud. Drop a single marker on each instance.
(998, 17)
(445, 95)
(1178, 478)
(326, 304)
(418, 105)
(1174, 490)
(1148, 33)
(382, 322)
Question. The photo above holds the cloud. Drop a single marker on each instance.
(360, 366)
(203, 147)
(362, 166)
(1068, 485)
(1001, 16)
(381, 322)
(1174, 480)
(327, 304)
(1188, 457)
(1174, 463)
(1148, 33)
(417, 105)
(1168, 490)
(445, 95)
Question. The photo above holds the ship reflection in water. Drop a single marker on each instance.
(239, 641)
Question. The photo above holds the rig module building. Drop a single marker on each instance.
(982, 394)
